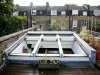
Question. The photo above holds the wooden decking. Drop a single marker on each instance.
(33, 70)
(98, 63)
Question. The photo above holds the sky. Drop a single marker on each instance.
(57, 2)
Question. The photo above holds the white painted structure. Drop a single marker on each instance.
(51, 40)
(53, 12)
(74, 12)
(96, 12)
(84, 13)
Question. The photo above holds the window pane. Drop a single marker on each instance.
(84, 13)
(53, 12)
(40, 12)
(75, 22)
(63, 13)
(74, 12)
(97, 12)
(33, 12)
(24, 13)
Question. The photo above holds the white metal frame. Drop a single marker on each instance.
(56, 38)
(37, 46)
(60, 47)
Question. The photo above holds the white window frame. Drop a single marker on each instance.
(95, 12)
(84, 13)
(24, 13)
(63, 13)
(53, 12)
(15, 13)
(75, 23)
(33, 12)
(74, 12)
(33, 23)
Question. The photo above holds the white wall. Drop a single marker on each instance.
(20, 47)
(77, 49)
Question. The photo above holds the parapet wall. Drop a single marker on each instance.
(5, 41)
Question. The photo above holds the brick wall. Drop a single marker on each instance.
(46, 20)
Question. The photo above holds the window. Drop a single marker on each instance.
(53, 20)
(63, 28)
(40, 12)
(75, 22)
(33, 23)
(24, 13)
(63, 13)
(74, 12)
(96, 12)
(53, 12)
(84, 13)
(15, 13)
(33, 12)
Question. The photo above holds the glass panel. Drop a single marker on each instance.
(53, 12)
(24, 13)
(40, 12)
(84, 13)
(50, 35)
(75, 22)
(49, 50)
(33, 12)
(97, 12)
(50, 46)
(74, 12)
(63, 13)
(66, 35)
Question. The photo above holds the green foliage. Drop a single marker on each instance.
(8, 23)
(54, 26)
(45, 61)
(44, 58)
(98, 25)
(6, 7)
(11, 24)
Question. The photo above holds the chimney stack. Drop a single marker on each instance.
(47, 4)
(31, 4)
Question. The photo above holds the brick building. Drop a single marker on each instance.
(68, 17)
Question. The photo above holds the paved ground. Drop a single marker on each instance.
(33, 70)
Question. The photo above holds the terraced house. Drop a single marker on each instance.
(68, 17)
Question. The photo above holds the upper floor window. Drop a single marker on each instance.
(96, 12)
(33, 12)
(40, 12)
(53, 12)
(15, 13)
(24, 13)
(74, 12)
(63, 13)
(84, 13)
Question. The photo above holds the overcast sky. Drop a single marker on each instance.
(57, 2)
